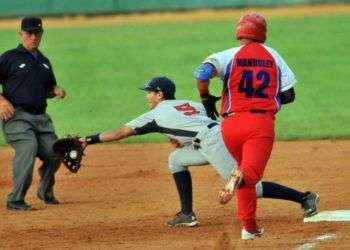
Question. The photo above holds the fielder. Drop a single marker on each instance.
(256, 82)
(198, 140)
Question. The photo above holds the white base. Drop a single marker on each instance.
(338, 215)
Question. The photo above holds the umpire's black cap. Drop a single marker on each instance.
(31, 24)
(161, 83)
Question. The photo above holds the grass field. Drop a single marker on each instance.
(102, 67)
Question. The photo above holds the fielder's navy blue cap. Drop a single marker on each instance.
(30, 24)
(161, 83)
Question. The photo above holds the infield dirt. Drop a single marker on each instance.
(124, 193)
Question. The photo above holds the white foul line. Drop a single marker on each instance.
(313, 242)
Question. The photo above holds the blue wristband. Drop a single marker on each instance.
(204, 71)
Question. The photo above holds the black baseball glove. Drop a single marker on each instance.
(209, 105)
(69, 151)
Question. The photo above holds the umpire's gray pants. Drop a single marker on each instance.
(31, 136)
(212, 151)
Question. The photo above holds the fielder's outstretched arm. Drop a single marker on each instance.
(107, 136)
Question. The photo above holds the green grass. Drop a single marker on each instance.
(101, 69)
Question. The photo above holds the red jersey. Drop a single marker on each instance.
(253, 81)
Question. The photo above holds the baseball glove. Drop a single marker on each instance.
(209, 105)
(69, 151)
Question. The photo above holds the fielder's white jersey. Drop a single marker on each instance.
(178, 119)
(222, 63)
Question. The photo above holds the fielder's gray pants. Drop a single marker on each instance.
(31, 136)
(212, 150)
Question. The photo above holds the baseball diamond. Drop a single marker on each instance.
(110, 205)
(126, 195)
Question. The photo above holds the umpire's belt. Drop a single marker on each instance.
(30, 110)
(196, 141)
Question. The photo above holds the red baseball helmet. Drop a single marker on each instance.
(251, 26)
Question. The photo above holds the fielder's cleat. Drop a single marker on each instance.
(183, 220)
(228, 191)
(309, 204)
(245, 235)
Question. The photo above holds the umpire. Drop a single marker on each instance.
(28, 80)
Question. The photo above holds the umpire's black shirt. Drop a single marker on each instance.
(26, 79)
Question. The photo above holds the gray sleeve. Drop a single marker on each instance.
(141, 121)
(214, 59)
(287, 76)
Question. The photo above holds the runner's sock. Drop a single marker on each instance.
(277, 191)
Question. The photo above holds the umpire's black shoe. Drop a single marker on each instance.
(18, 205)
(309, 204)
(48, 200)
